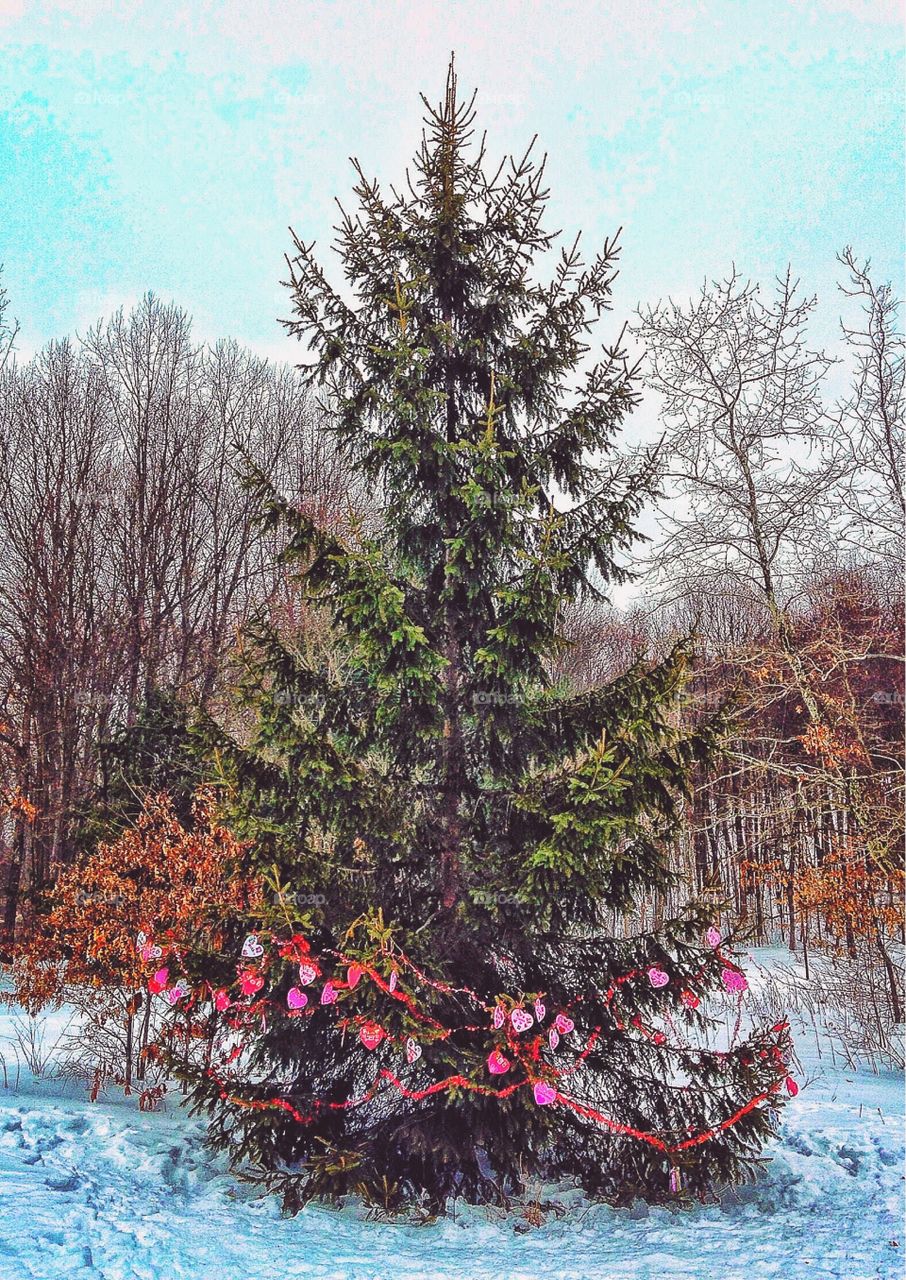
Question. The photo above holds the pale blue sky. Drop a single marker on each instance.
(167, 147)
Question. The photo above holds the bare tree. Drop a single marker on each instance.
(130, 554)
(744, 424)
(869, 435)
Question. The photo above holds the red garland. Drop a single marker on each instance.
(526, 1052)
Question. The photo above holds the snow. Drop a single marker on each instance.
(102, 1190)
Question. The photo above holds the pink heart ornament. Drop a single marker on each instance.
(521, 1020)
(712, 937)
(329, 994)
(564, 1024)
(296, 999)
(657, 977)
(733, 981)
(498, 1065)
(544, 1094)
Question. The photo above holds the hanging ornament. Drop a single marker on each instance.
(252, 948)
(540, 1010)
(544, 1093)
(657, 977)
(371, 1035)
(521, 1020)
(394, 978)
(733, 980)
(353, 974)
(222, 1000)
(713, 937)
(675, 1181)
(296, 999)
(413, 1051)
(329, 994)
(250, 982)
(307, 973)
(553, 1037)
(497, 1019)
(177, 992)
(689, 1000)
(157, 983)
(792, 1087)
(498, 1065)
(564, 1024)
(146, 948)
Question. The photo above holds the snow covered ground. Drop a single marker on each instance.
(101, 1190)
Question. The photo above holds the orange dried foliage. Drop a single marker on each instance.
(853, 897)
(176, 885)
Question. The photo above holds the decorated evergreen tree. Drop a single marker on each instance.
(433, 1001)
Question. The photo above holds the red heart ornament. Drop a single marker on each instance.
(689, 1000)
(371, 1035)
(498, 1065)
(544, 1094)
(792, 1087)
(159, 981)
(221, 1000)
(353, 974)
(296, 999)
(657, 977)
(250, 982)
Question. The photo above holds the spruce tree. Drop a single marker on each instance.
(444, 998)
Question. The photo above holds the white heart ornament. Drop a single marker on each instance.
(413, 1051)
(252, 948)
(394, 978)
(540, 1010)
(307, 974)
(553, 1037)
(497, 1019)
(521, 1020)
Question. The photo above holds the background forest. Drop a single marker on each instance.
(131, 562)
